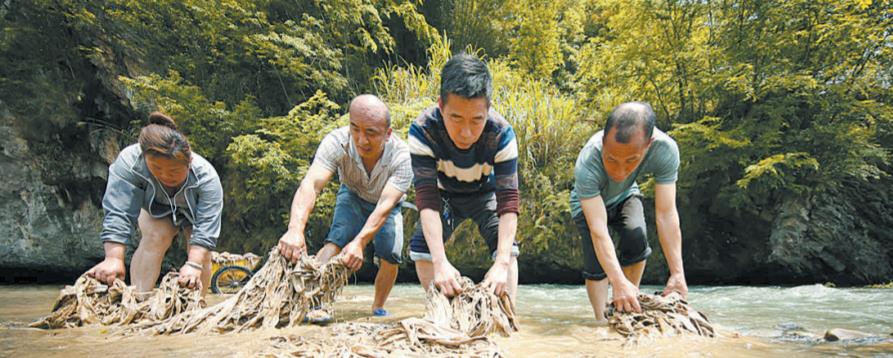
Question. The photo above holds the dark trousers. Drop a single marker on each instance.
(626, 218)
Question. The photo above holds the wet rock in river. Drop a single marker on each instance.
(840, 334)
(795, 332)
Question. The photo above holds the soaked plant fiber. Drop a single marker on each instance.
(475, 312)
(384, 340)
(279, 295)
(457, 327)
(90, 302)
(661, 316)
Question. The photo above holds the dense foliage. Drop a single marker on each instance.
(782, 110)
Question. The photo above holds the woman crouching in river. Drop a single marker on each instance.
(160, 185)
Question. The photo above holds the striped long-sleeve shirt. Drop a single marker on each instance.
(491, 164)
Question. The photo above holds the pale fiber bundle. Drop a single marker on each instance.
(661, 316)
(476, 311)
(455, 327)
(226, 258)
(384, 340)
(279, 295)
(91, 302)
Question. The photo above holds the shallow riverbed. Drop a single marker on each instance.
(556, 321)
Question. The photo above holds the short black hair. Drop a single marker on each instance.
(628, 117)
(467, 76)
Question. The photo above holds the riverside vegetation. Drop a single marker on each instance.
(782, 111)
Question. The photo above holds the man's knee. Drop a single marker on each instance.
(327, 251)
(634, 246)
(633, 213)
(594, 275)
(591, 280)
(425, 271)
(389, 244)
(385, 265)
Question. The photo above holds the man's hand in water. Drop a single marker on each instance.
(292, 245)
(352, 255)
(108, 270)
(113, 265)
(676, 283)
(446, 278)
(190, 276)
(497, 278)
(626, 296)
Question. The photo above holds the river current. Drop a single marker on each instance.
(556, 320)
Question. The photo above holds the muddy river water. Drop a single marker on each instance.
(556, 320)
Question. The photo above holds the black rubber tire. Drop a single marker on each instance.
(230, 279)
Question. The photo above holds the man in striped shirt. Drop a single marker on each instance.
(465, 166)
(375, 172)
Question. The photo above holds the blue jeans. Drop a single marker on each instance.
(351, 213)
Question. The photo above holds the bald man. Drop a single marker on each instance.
(375, 171)
(606, 194)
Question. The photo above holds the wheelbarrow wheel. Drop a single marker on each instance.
(230, 279)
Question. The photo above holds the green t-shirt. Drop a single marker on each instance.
(662, 160)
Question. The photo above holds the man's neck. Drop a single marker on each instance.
(369, 164)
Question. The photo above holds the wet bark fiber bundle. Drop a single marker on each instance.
(661, 316)
(279, 295)
(90, 302)
(457, 327)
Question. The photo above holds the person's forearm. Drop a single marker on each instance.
(508, 227)
(433, 231)
(670, 236)
(302, 206)
(604, 251)
(114, 250)
(197, 254)
(374, 223)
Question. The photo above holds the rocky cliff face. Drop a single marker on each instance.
(63, 117)
(839, 236)
(47, 229)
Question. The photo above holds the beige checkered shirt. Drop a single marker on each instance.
(337, 152)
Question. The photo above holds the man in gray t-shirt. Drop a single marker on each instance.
(375, 171)
(606, 194)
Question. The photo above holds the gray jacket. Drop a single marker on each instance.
(132, 187)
